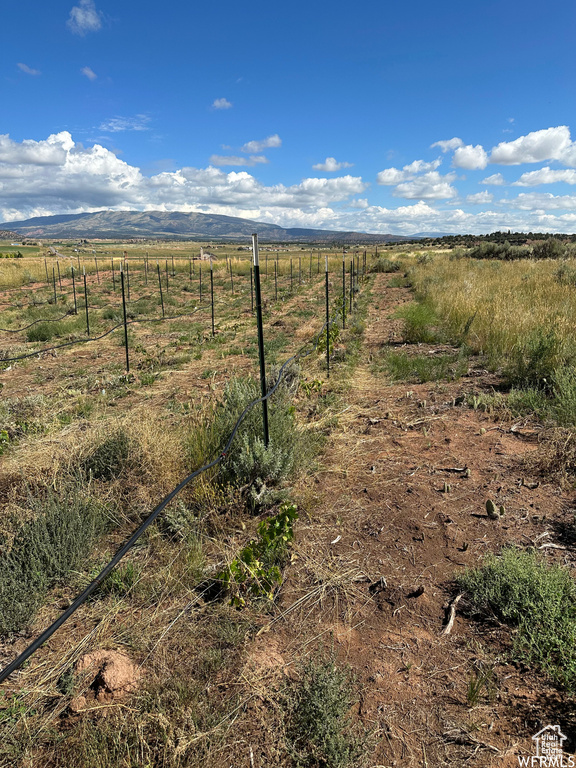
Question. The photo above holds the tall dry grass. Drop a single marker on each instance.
(496, 306)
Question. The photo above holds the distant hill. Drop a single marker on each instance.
(176, 225)
(7, 234)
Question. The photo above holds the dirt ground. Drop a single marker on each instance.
(396, 512)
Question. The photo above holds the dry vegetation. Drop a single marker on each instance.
(253, 637)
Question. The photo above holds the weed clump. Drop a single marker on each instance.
(535, 360)
(110, 457)
(44, 550)
(384, 265)
(539, 600)
(420, 323)
(41, 332)
(424, 368)
(319, 730)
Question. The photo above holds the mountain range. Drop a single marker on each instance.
(176, 225)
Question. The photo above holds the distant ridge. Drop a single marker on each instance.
(8, 234)
(177, 225)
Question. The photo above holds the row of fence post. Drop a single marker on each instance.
(255, 295)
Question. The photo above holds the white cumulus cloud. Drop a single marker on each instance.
(391, 176)
(541, 201)
(535, 147)
(330, 165)
(480, 198)
(429, 186)
(89, 73)
(253, 147)
(546, 176)
(496, 180)
(221, 104)
(84, 18)
(50, 151)
(469, 157)
(446, 145)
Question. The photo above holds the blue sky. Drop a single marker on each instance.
(382, 117)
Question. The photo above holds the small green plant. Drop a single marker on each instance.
(4, 440)
(329, 337)
(481, 681)
(255, 572)
(538, 600)
(311, 387)
(319, 729)
(12, 708)
(120, 581)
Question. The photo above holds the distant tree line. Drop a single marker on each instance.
(512, 238)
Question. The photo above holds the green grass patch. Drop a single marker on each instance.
(420, 323)
(422, 368)
(539, 600)
(44, 550)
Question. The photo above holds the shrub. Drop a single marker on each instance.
(109, 457)
(45, 550)
(521, 589)
(419, 319)
(384, 265)
(548, 249)
(319, 729)
(535, 360)
(249, 463)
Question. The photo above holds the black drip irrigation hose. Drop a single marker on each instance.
(40, 320)
(47, 634)
(97, 338)
(25, 306)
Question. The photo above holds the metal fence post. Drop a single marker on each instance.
(74, 291)
(125, 323)
(212, 293)
(86, 304)
(263, 388)
(327, 324)
(160, 286)
(343, 291)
